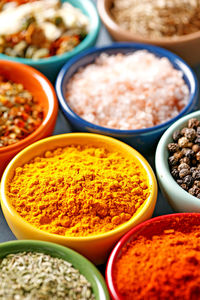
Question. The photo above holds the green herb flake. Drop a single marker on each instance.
(40, 277)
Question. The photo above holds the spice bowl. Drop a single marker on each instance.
(42, 90)
(144, 139)
(97, 246)
(184, 45)
(151, 230)
(80, 263)
(50, 66)
(179, 199)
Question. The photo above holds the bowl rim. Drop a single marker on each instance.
(43, 247)
(151, 200)
(160, 159)
(123, 240)
(94, 30)
(112, 25)
(52, 101)
(173, 58)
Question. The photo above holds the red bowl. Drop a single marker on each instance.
(155, 226)
(43, 91)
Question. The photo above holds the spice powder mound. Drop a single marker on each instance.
(79, 190)
(163, 267)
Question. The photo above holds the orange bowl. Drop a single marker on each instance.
(42, 90)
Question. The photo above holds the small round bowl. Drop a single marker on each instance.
(155, 226)
(96, 247)
(141, 139)
(51, 66)
(78, 261)
(43, 91)
(186, 46)
(178, 198)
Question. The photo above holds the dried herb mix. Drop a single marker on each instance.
(41, 277)
(184, 157)
(20, 113)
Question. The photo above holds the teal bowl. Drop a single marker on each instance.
(51, 66)
(78, 261)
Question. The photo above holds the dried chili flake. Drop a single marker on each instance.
(20, 113)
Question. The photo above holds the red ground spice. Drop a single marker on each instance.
(164, 267)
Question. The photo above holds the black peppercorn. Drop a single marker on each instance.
(176, 135)
(184, 172)
(184, 186)
(183, 166)
(175, 173)
(173, 147)
(189, 153)
(190, 133)
(197, 140)
(188, 180)
(172, 160)
(198, 130)
(196, 174)
(185, 160)
(193, 123)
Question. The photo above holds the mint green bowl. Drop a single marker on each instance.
(51, 66)
(78, 261)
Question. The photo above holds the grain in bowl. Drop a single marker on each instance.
(134, 91)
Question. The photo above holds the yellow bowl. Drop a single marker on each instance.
(96, 247)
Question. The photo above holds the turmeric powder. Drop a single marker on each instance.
(78, 190)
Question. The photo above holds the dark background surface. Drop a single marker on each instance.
(162, 207)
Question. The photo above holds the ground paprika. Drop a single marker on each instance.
(163, 267)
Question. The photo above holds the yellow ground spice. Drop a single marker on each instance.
(78, 190)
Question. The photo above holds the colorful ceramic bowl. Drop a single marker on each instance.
(43, 92)
(51, 66)
(141, 139)
(96, 247)
(186, 46)
(155, 226)
(178, 198)
(78, 261)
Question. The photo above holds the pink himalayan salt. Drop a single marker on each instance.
(131, 91)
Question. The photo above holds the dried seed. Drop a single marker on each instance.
(40, 276)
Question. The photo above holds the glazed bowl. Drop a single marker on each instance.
(179, 199)
(94, 247)
(186, 46)
(155, 226)
(79, 262)
(51, 66)
(43, 92)
(141, 139)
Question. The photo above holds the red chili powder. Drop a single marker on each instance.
(164, 267)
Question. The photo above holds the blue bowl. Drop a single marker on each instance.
(51, 66)
(141, 139)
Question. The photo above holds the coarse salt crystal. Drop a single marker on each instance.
(133, 91)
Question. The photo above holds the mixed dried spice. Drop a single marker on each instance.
(184, 158)
(39, 276)
(20, 113)
(40, 28)
(157, 18)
